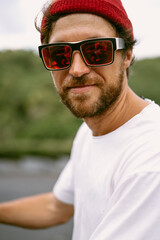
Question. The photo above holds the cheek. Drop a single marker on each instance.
(56, 79)
(106, 72)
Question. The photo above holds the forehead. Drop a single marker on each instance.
(81, 26)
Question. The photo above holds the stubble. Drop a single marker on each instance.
(82, 105)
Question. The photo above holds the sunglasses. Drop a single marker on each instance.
(95, 52)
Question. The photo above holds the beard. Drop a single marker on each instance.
(84, 105)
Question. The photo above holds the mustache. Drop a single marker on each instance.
(81, 81)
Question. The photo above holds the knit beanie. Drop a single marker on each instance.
(112, 10)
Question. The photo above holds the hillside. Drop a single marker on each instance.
(33, 121)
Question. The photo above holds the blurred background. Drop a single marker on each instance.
(36, 130)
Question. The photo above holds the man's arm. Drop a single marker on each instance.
(35, 212)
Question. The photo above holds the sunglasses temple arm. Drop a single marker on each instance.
(120, 44)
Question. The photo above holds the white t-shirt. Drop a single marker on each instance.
(114, 181)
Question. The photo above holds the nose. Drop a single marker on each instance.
(78, 67)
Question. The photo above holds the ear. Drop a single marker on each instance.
(128, 59)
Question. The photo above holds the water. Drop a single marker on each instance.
(30, 176)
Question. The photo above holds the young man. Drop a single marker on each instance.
(112, 180)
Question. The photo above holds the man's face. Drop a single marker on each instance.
(87, 91)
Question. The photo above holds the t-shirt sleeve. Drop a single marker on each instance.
(133, 211)
(63, 188)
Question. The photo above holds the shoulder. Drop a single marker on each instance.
(144, 128)
(148, 126)
(151, 115)
(141, 144)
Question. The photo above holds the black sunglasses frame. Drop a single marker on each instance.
(117, 43)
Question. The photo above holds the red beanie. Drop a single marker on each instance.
(112, 10)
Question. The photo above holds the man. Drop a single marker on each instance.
(111, 183)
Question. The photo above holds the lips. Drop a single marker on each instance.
(80, 89)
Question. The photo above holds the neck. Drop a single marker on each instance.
(126, 107)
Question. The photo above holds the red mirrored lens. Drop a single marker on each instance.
(98, 52)
(56, 57)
